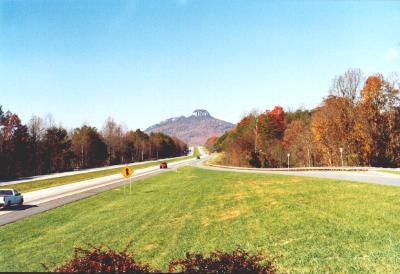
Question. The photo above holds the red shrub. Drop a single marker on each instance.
(105, 261)
(238, 261)
(98, 260)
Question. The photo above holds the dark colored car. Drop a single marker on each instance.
(198, 157)
(163, 165)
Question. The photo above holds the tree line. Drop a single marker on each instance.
(357, 124)
(40, 147)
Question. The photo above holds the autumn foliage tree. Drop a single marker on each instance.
(358, 123)
(41, 147)
(332, 125)
(239, 144)
(378, 122)
(257, 140)
(211, 143)
(270, 131)
(15, 146)
(89, 147)
(300, 142)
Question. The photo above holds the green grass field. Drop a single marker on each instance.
(46, 183)
(313, 225)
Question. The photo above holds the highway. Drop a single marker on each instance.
(49, 198)
(69, 173)
(370, 176)
(46, 199)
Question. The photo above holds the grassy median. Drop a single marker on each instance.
(312, 225)
(46, 183)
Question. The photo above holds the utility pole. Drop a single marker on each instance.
(341, 155)
(82, 156)
(256, 135)
(142, 151)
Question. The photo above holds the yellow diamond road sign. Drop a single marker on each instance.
(127, 172)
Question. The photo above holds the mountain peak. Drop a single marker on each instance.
(194, 129)
(201, 113)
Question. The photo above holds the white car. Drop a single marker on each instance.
(10, 197)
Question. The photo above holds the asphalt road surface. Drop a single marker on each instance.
(49, 198)
(373, 177)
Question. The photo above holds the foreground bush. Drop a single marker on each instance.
(238, 261)
(98, 260)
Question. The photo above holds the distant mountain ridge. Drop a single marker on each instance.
(194, 129)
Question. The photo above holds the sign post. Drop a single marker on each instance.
(127, 172)
(341, 155)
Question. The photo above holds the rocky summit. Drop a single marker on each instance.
(194, 129)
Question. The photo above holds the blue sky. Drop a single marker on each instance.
(143, 61)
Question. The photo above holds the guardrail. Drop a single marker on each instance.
(296, 168)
